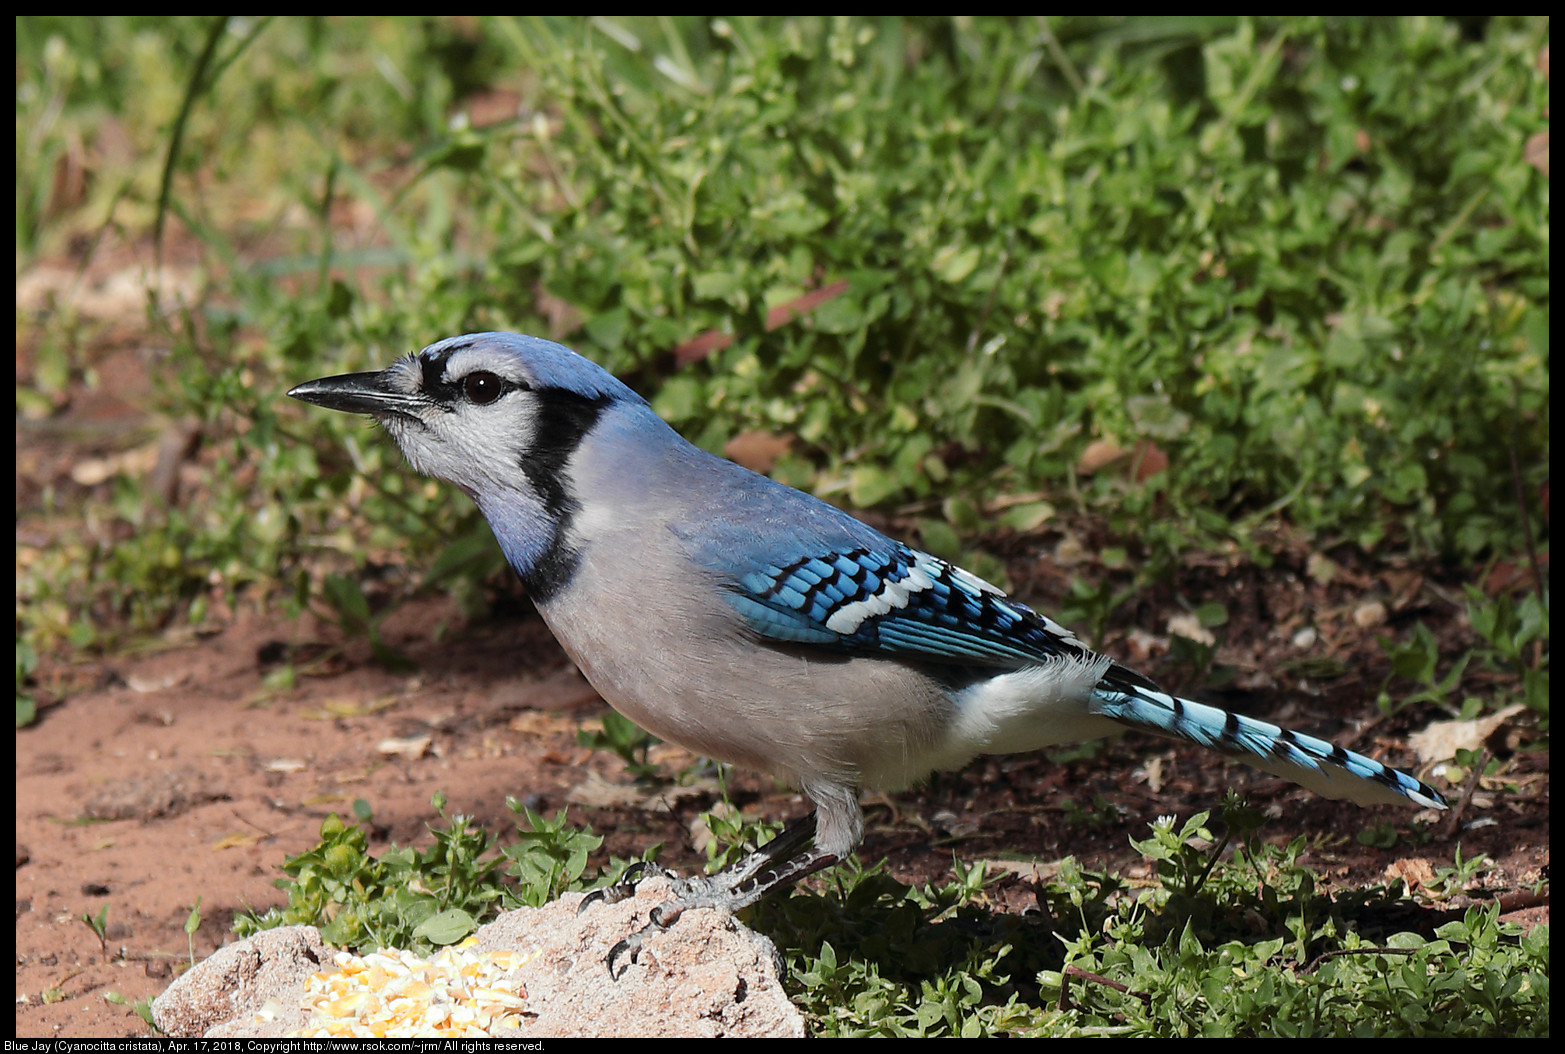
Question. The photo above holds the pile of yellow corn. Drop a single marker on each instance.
(458, 993)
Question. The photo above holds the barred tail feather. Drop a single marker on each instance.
(1322, 767)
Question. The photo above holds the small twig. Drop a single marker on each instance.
(1467, 794)
(1355, 951)
(1096, 978)
(1520, 900)
(243, 819)
(994, 287)
(1212, 861)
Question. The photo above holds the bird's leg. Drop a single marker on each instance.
(789, 841)
(777, 865)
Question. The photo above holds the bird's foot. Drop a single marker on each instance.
(662, 917)
(705, 891)
(731, 891)
(624, 889)
(778, 863)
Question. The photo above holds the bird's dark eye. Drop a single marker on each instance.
(482, 387)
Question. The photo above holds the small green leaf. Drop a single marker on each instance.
(1028, 516)
(345, 594)
(953, 263)
(446, 927)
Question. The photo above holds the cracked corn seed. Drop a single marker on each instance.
(459, 993)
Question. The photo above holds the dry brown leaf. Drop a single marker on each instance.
(1443, 739)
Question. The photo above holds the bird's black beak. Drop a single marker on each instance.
(359, 393)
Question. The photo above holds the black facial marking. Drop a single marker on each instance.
(564, 419)
(434, 367)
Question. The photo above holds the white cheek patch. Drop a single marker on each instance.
(477, 448)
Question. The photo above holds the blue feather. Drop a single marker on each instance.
(895, 600)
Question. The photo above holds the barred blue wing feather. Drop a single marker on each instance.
(899, 601)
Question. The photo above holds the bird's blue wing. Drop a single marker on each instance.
(891, 599)
(798, 570)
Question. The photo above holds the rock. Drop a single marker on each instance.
(706, 976)
(235, 982)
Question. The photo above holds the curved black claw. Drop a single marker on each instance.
(631, 944)
(624, 889)
(661, 917)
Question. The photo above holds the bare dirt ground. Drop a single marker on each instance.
(153, 780)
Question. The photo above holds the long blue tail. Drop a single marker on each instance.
(1322, 767)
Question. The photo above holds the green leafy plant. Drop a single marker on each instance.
(1099, 814)
(26, 663)
(1166, 963)
(99, 924)
(549, 856)
(1515, 639)
(404, 898)
(192, 924)
(1449, 881)
(1517, 635)
(732, 837)
(626, 739)
(1416, 661)
(1303, 259)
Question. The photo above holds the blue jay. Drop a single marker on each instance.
(755, 624)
